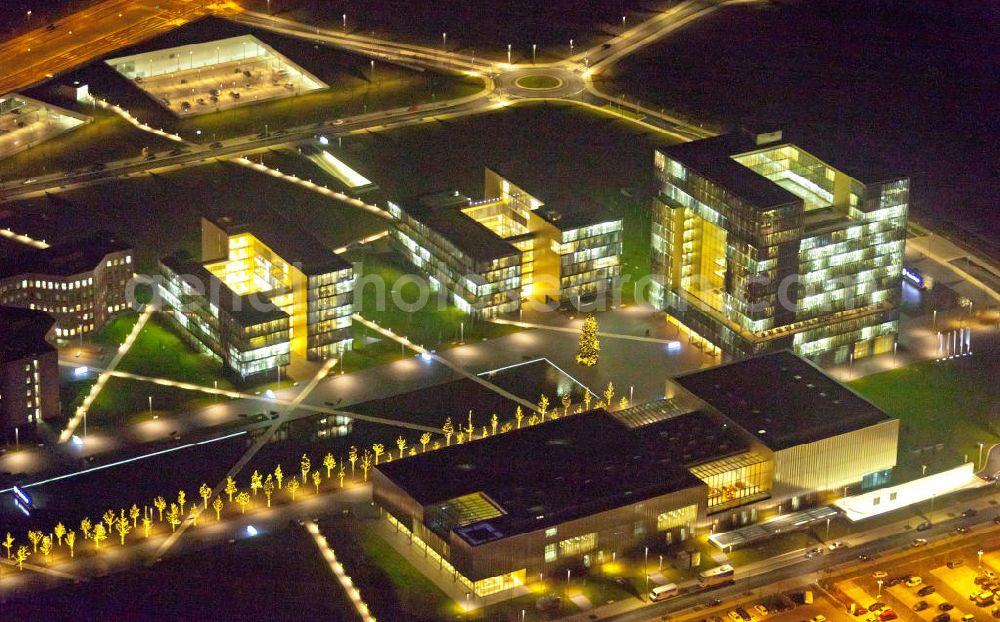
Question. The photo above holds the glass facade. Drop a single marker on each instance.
(816, 269)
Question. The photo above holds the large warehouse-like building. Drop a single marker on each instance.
(771, 433)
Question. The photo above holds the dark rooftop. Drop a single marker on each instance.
(711, 158)
(285, 238)
(782, 399)
(23, 333)
(248, 310)
(548, 182)
(576, 466)
(63, 260)
(441, 211)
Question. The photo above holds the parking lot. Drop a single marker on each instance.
(940, 584)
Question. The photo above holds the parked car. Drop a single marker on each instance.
(918, 542)
(941, 617)
(734, 615)
(920, 605)
(927, 590)
(914, 581)
(813, 552)
(887, 615)
(876, 606)
(818, 618)
(761, 610)
(833, 546)
(955, 563)
(946, 606)
(969, 512)
(924, 526)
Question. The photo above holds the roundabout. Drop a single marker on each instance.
(540, 82)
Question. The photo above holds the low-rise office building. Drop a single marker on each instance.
(264, 291)
(82, 284)
(480, 271)
(758, 245)
(498, 512)
(29, 368)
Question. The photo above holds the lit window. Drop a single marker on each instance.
(550, 552)
(551, 532)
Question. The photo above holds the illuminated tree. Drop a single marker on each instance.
(543, 406)
(330, 463)
(174, 516)
(460, 438)
(401, 443)
(71, 542)
(379, 449)
(305, 466)
(269, 488)
(469, 429)
(123, 528)
(366, 462)
(256, 482)
(21, 555)
(243, 499)
(217, 506)
(485, 433)
(133, 513)
(194, 514)
(566, 401)
(293, 487)
(436, 446)
(623, 404)
(59, 530)
(586, 400)
(147, 522)
(278, 475)
(609, 394)
(8, 543)
(85, 528)
(46, 547)
(448, 430)
(231, 486)
(99, 534)
(206, 493)
(533, 420)
(494, 421)
(518, 415)
(424, 439)
(352, 455)
(506, 427)
(413, 451)
(181, 500)
(35, 537)
(317, 478)
(110, 517)
(590, 348)
(341, 473)
(160, 504)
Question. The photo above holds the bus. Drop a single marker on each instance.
(721, 575)
(663, 592)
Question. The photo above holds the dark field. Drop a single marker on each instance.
(912, 85)
(481, 26)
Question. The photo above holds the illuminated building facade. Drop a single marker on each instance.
(758, 245)
(480, 271)
(268, 291)
(29, 368)
(571, 245)
(499, 511)
(82, 284)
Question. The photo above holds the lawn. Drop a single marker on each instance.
(124, 402)
(434, 325)
(392, 587)
(107, 138)
(947, 402)
(158, 352)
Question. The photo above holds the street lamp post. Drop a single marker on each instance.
(645, 567)
(979, 465)
(879, 589)
(444, 41)
(371, 76)
(508, 53)
(571, 45)
(979, 556)
(150, 398)
(28, 17)
(534, 48)
(569, 575)
(343, 19)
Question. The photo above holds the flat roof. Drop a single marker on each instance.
(64, 260)
(248, 310)
(712, 158)
(782, 399)
(547, 474)
(284, 237)
(546, 181)
(441, 211)
(24, 333)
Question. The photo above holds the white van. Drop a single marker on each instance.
(663, 592)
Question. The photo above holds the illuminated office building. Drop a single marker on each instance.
(725, 447)
(82, 284)
(480, 271)
(758, 245)
(269, 291)
(494, 253)
(29, 368)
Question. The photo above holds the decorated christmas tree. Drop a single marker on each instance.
(590, 347)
